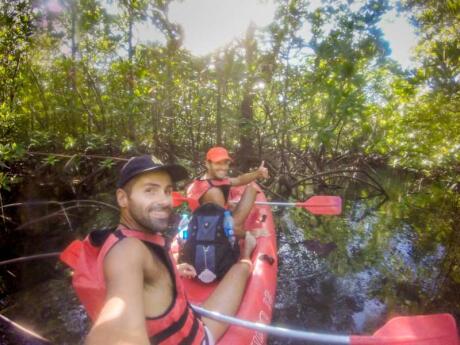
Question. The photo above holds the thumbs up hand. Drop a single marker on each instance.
(262, 171)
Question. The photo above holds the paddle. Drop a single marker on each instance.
(318, 204)
(437, 329)
(179, 199)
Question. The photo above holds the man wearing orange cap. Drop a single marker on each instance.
(214, 186)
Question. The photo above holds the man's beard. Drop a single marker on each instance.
(151, 223)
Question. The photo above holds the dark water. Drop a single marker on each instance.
(384, 256)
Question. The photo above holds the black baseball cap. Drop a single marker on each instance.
(142, 164)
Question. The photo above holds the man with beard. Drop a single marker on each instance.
(144, 298)
(214, 187)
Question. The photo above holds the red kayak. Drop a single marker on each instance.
(257, 303)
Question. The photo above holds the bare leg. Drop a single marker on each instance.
(243, 209)
(213, 195)
(227, 297)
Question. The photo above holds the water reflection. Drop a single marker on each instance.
(395, 256)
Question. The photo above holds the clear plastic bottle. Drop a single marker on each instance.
(228, 227)
(183, 226)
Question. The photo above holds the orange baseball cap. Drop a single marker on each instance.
(217, 154)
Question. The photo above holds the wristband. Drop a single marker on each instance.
(249, 262)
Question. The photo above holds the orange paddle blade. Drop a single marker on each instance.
(179, 199)
(437, 329)
(323, 204)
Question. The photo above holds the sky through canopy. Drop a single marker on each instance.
(210, 24)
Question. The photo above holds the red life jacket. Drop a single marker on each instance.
(178, 325)
(200, 186)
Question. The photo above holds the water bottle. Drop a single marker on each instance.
(183, 226)
(228, 227)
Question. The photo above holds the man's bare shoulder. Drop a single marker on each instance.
(122, 319)
(127, 255)
(128, 245)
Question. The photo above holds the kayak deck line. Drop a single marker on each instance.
(274, 330)
(436, 329)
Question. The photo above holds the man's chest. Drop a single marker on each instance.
(158, 287)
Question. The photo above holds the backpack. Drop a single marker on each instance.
(85, 258)
(82, 256)
(207, 248)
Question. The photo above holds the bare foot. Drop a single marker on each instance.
(250, 243)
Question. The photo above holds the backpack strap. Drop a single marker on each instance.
(98, 237)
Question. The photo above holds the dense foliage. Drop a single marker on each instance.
(73, 79)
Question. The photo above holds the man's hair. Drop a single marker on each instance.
(128, 187)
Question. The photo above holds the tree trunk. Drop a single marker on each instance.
(246, 156)
(73, 113)
(219, 113)
(131, 130)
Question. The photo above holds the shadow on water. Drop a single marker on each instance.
(342, 275)
(381, 258)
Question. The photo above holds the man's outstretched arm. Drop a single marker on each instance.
(261, 172)
(122, 318)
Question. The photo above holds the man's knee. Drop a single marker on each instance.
(213, 195)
